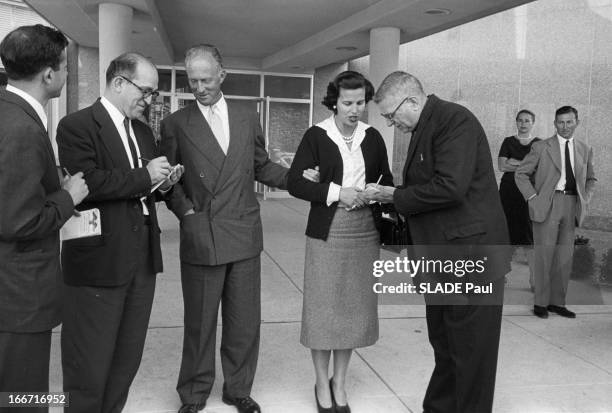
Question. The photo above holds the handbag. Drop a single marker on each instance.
(394, 233)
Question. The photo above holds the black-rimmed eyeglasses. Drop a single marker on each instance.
(146, 92)
(389, 116)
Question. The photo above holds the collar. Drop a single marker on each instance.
(38, 108)
(220, 106)
(562, 140)
(427, 111)
(116, 115)
(329, 125)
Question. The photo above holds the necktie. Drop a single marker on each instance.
(570, 180)
(126, 125)
(216, 125)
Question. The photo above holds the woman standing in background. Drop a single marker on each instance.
(511, 153)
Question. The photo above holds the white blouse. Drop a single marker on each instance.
(353, 165)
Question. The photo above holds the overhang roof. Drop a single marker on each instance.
(271, 35)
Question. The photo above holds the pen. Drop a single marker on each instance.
(379, 178)
(75, 213)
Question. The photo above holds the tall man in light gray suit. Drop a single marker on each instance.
(557, 180)
(223, 150)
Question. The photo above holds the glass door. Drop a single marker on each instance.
(287, 115)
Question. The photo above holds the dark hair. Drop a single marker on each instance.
(28, 50)
(563, 110)
(528, 112)
(124, 65)
(346, 80)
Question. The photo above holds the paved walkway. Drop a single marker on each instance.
(554, 365)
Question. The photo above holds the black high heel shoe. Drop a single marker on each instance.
(338, 409)
(322, 409)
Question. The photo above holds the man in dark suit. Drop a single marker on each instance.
(450, 199)
(110, 279)
(35, 205)
(561, 168)
(223, 150)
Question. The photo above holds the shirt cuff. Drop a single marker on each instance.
(333, 194)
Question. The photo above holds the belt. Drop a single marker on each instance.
(566, 192)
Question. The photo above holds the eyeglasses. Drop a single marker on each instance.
(145, 92)
(389, 116)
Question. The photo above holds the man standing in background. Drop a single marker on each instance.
(563, 183)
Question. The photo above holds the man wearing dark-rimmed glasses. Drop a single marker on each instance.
(146, 92)
(110, 279)
(450, 200)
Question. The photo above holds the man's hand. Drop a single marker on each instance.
(177, 172)
(76, 187)
(312, 174)
(379, 193)
(159, 169)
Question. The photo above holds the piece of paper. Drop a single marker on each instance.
(88, 224)
(157, 185)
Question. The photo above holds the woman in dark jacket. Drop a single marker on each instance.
(340, 308)
(512, 151)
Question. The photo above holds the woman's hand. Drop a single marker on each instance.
(353, 197)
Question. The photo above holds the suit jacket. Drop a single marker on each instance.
(449, 194)
(543, 164)
(33, 209)
(226, 226)
(317, 149)
(88, 141)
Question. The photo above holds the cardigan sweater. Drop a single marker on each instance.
(318, 149)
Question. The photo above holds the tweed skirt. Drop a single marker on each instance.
(339, 307)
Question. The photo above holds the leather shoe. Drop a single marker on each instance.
(562, 311)
(339, 409)
(191, 408)
(321, 409)
(540, 311)
(243, 404)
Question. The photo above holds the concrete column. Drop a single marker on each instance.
(384, 59)
(114, 33)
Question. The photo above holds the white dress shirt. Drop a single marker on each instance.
(38, 108)
(353, 165)
(561, 140)
(221, 107)
(117, 117)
